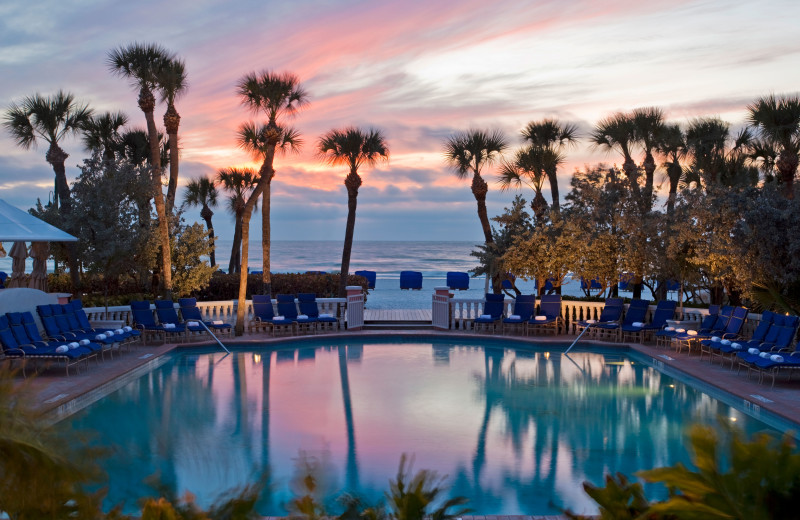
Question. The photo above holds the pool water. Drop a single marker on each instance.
(517, 428)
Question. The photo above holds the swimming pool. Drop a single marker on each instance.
(518, 428)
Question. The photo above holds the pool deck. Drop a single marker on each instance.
(59, 394)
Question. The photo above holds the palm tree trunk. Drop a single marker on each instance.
(147, 102)
(479, 191)
(212, 255)
(173, 172)
(353, 182)
(57, 158)
(242, 300)
(266, 238)
(649, 165)
(787, 166)
(552, 176)
(236, 250)
(266, 174)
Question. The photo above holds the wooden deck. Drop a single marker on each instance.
(397, 315)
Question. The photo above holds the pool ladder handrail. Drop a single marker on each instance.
(576, 339)
(215, 337)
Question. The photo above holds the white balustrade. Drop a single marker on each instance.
(440, 310)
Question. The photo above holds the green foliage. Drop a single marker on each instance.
(43, 469)
(190, 272)
(411, 496)
(226, 286)
(735, 478)
(619, 500)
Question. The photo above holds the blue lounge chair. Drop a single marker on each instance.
(144, 320)
(730, 332)
(411, 280)
(264, 316)
(44, 352)
(131, 335)
(309, 306)
(191, 312)
(25, 330)
(636, 313)
(288, 309)
(458, 281)
(371, 277)
(524, 307)
(722, 348)
(168, 315)
(612, 312)
(492, 313)
(665, 310)
(780, 341)
(3, 277)
(549, 317)
(665, 335)
(59, 327)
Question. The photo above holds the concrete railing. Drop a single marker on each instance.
(216, 310)
(464, 310)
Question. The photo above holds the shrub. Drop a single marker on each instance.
(226, 286)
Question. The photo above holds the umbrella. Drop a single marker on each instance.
(19, 253)
(39, 252)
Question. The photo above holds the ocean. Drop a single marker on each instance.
(386, 258)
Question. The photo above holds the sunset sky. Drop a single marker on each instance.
(418, 70)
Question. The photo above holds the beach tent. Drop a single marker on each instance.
(19, 227)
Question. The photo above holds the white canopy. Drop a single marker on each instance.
(20, 226)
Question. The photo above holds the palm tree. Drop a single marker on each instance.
(706, 139)
(51, 119)
(101, 134)
(172, 84)
(648, 125)
(777, 120)
(618, 133)
(527, 168)
(555, 137)
(352, 147)
(672, 144)
(240, 183)
(203, 192)
(142, 64)
(469, 152)
(278, 96)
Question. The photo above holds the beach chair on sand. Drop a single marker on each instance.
(611, 313)
(524, 307)
(371, 277)
(191, 313)
(549, 317)
(309, 306)
(411, 280)
(492, 313)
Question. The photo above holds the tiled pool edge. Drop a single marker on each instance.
(81, 401)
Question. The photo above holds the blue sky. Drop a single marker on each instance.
(417, 70)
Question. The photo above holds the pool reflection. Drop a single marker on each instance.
(517, 431)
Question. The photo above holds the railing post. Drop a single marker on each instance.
(355, 307)
(440, 312)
